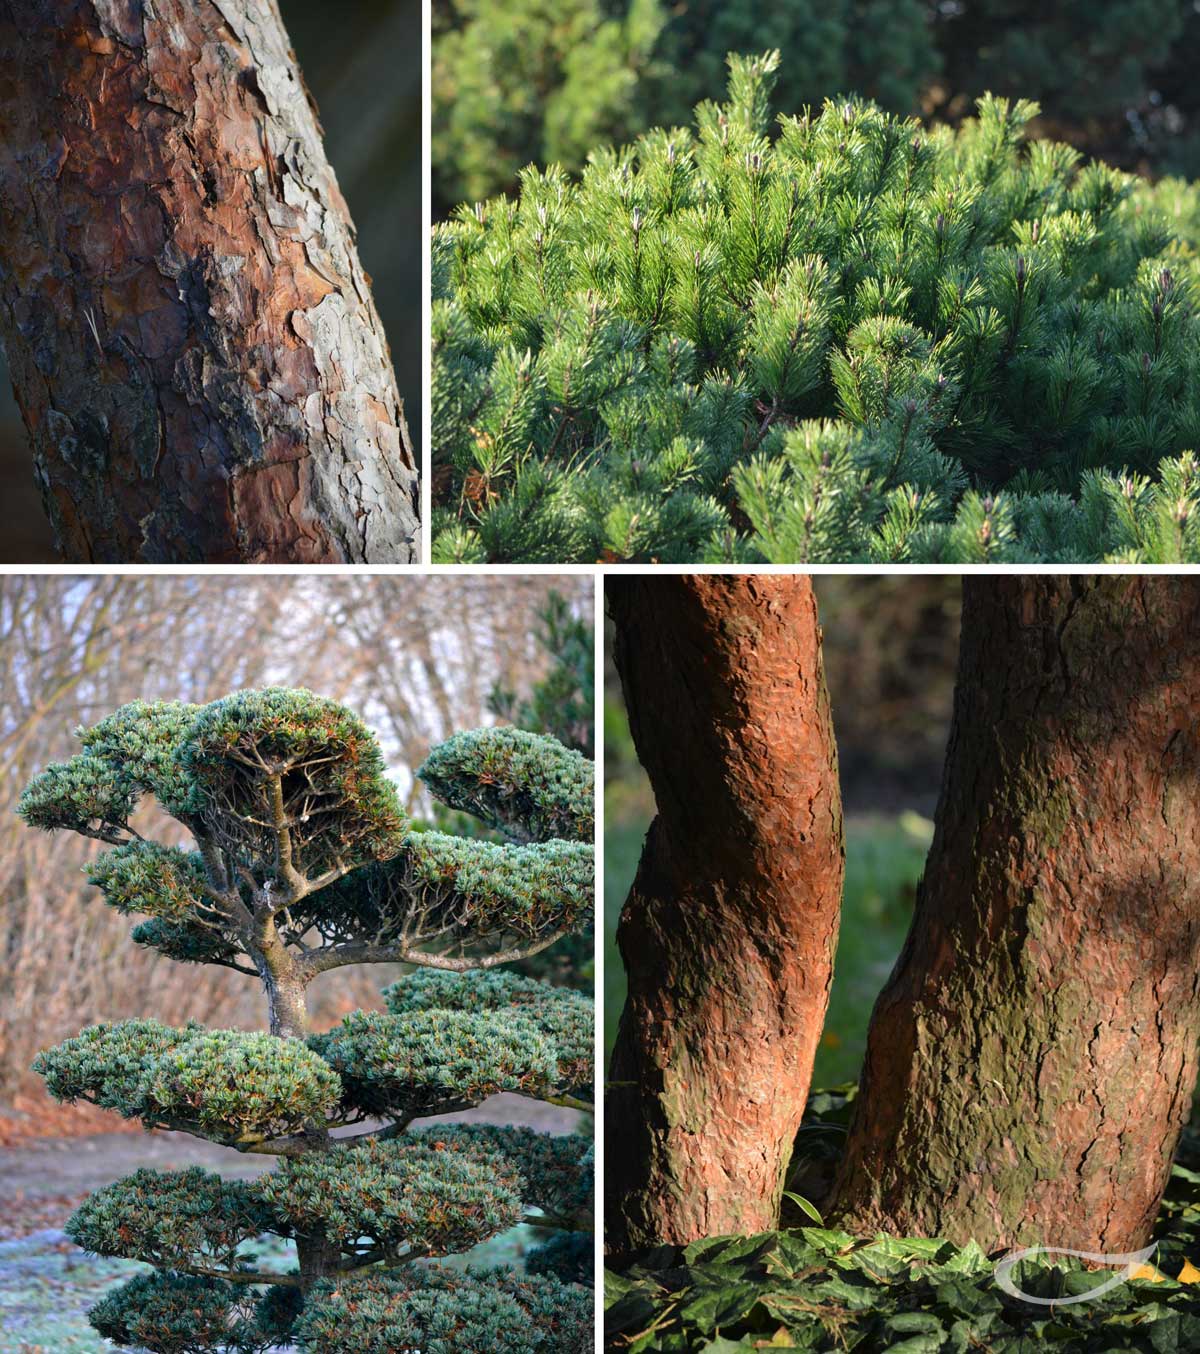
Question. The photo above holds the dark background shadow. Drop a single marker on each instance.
(362, 61)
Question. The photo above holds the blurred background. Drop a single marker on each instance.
(362, 62)
(520, 81)
(891, 647)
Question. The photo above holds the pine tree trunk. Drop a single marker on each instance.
(318, 1258)
(729, 931)
(1031, 1060)
(191, 337)
(287, 1005)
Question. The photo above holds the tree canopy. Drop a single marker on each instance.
(303, 860)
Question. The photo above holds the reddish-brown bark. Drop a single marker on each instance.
(729, 931)
(191, 337)
(1032, 1058)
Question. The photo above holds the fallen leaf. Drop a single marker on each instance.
(1147, 1272)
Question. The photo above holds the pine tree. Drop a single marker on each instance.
(859, 341)
(303, 861)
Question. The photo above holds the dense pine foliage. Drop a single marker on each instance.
(857, 340)
(303, 861)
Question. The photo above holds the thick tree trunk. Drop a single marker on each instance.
(1031, 1060)
(191, 337)
(728, 934)
(286, 984)
(287, 1006)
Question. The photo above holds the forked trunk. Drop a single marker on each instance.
(1032, 1058)
(728, 933)
(191, 338)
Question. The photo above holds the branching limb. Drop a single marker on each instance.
(298, 884)
(568, 1102)
(239, 1276)
(338, 956)
(297, 1144)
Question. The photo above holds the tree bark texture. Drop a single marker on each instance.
(287, 1003)
(1031, 1060)
(729, 931)
(191, 336)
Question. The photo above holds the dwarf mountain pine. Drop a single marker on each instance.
(858, 340)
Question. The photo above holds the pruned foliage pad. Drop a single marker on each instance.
(852, 340)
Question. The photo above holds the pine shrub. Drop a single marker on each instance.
(441, 1311)
(304, 861)
(856, 342)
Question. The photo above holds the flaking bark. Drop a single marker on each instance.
(191, 337)
(1031, 1060)
(729, 931)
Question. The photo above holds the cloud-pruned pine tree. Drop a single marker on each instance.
(856, 341)
(303, 861)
